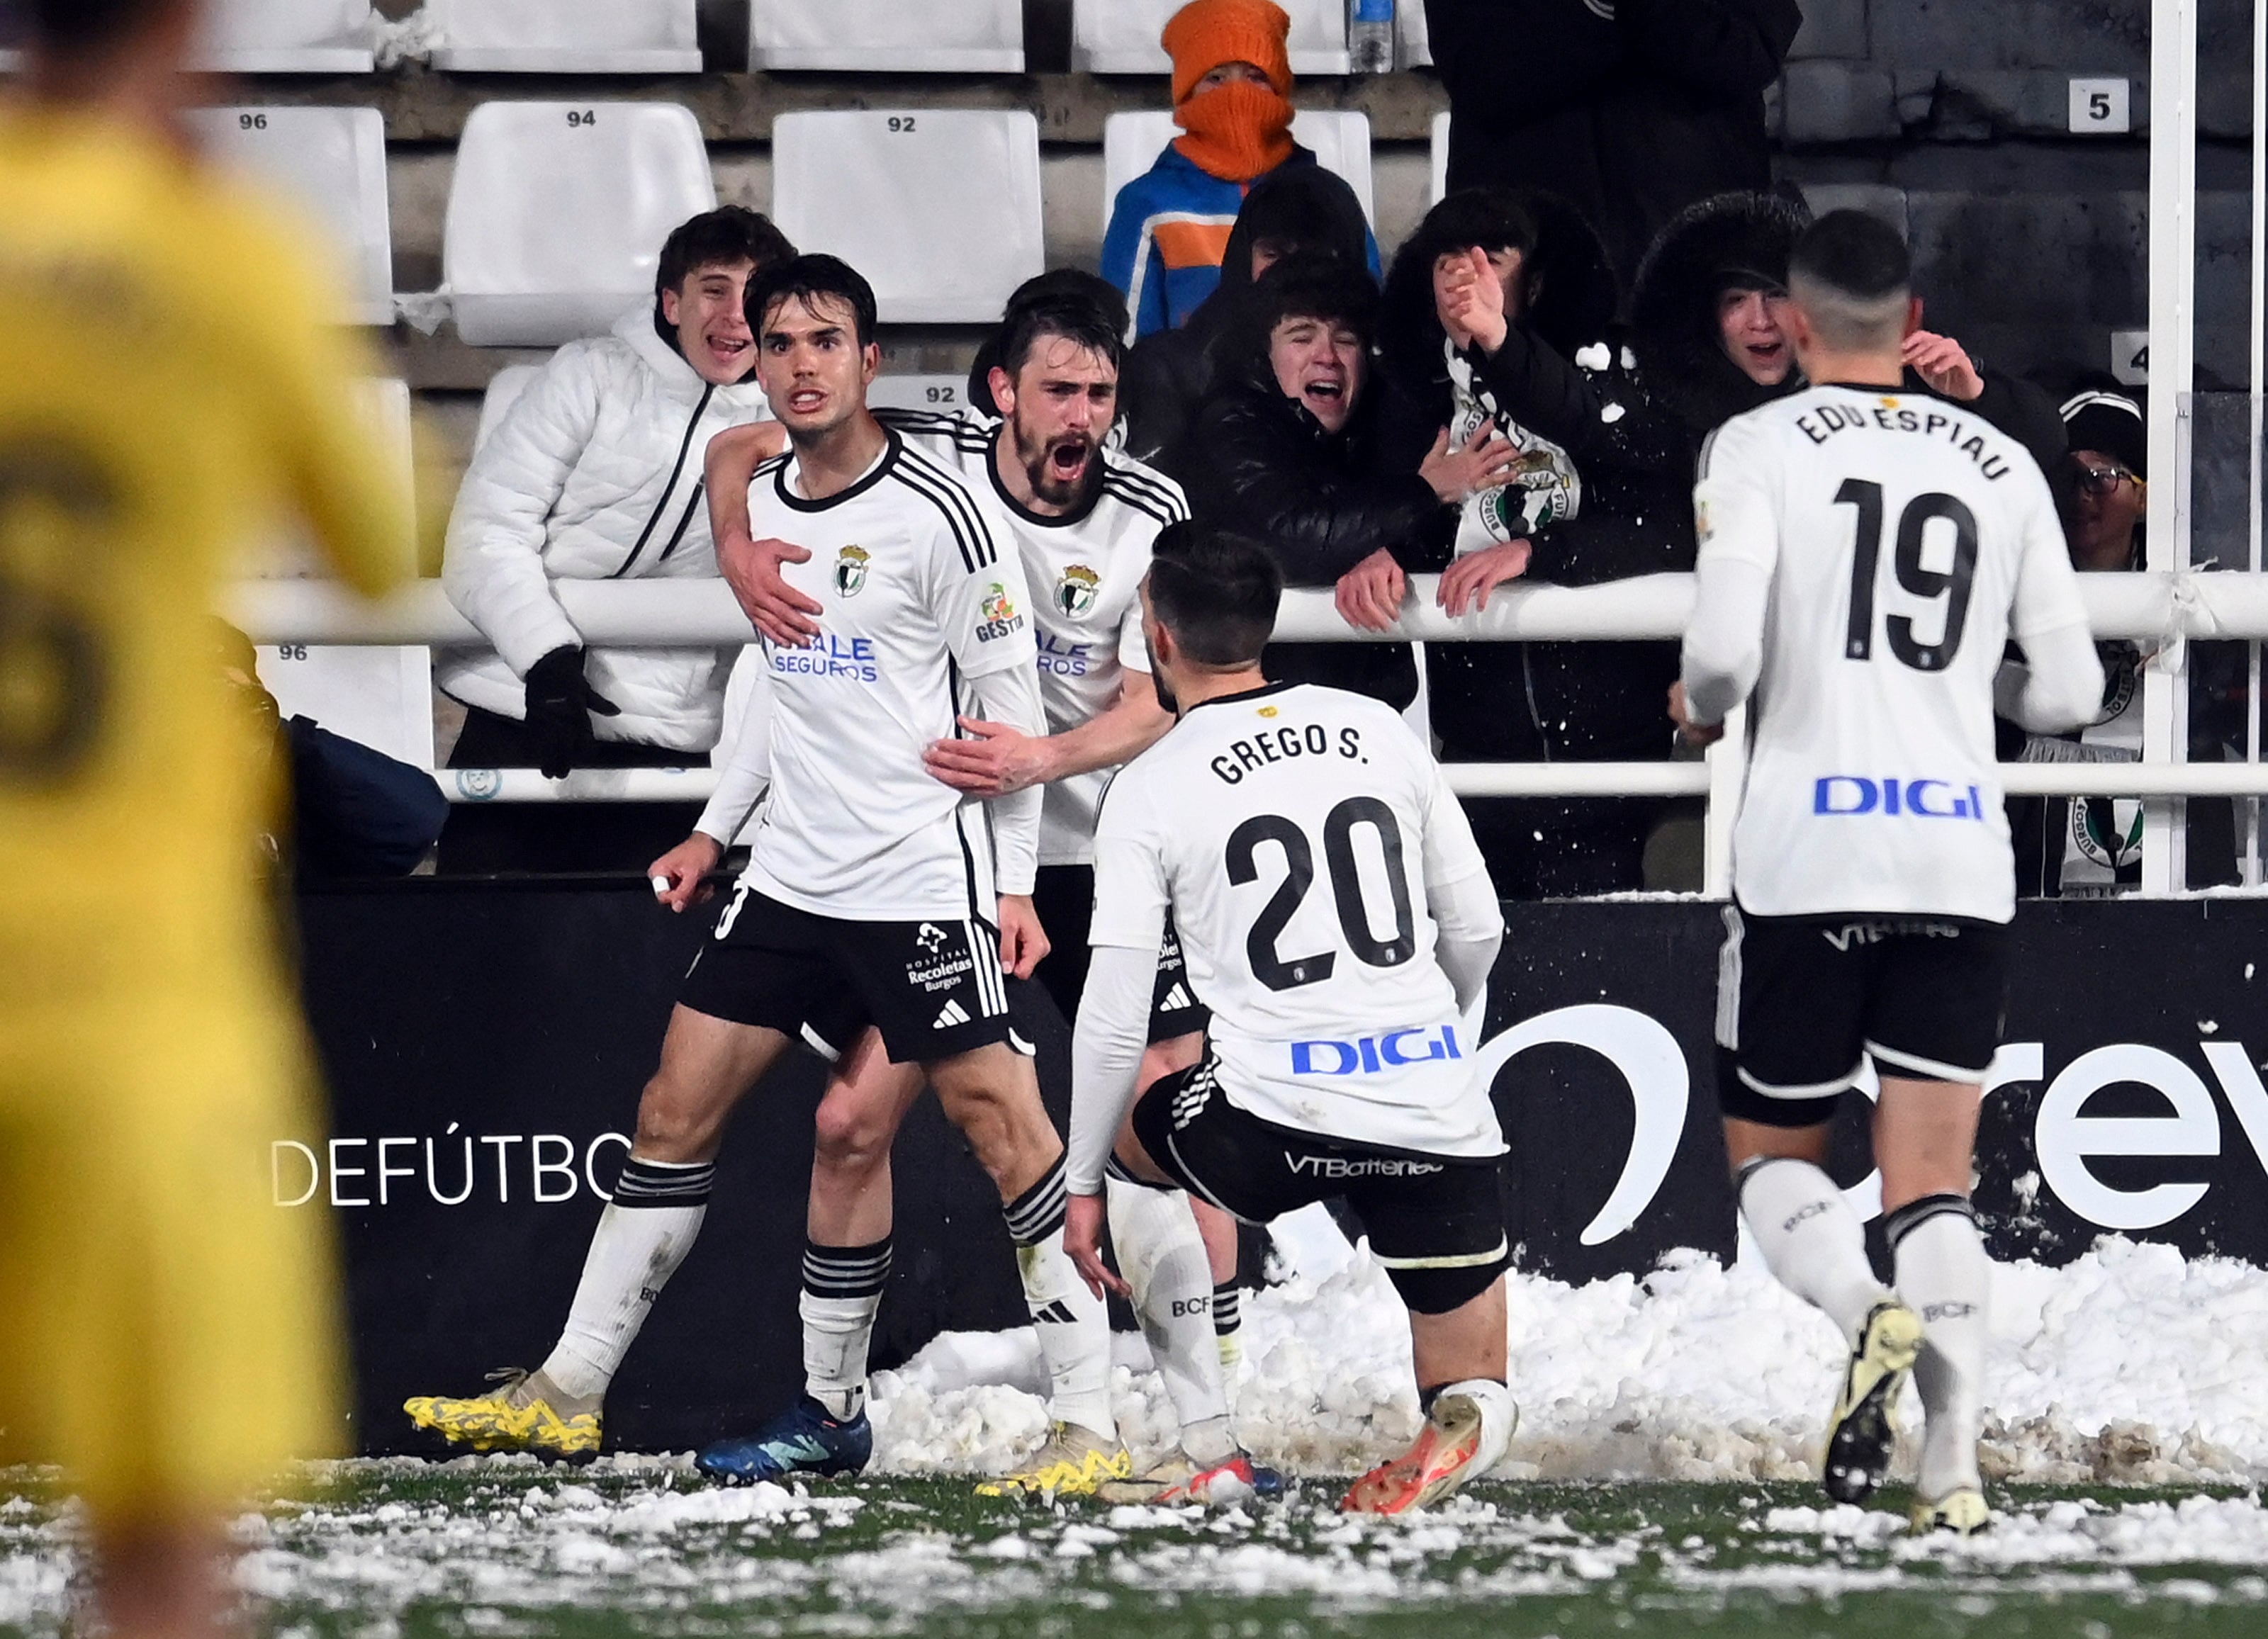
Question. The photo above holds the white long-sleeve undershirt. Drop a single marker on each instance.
(1012, 697)
(1106, 1057)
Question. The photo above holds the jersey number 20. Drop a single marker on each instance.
(1279, 972)
(1905, 563)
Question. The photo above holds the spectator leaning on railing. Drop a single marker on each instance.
(1301, 211)
(1169, 227)
(1282, 453)
(594, 474)
(1631, 109)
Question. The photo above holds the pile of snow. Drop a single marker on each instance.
(2131, 1364)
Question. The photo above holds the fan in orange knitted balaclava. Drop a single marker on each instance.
(1232, 82)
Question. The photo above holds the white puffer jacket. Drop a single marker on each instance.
(594, 475)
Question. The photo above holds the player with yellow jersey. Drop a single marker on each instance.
(167, 394)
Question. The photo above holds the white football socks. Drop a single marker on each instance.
(1811, 1239)
(1944, 1277)
(1072, 1323)
(1163, 1258)
(1228, 1330)
(643, 1236)
(1499, 1417)
(842, 1293)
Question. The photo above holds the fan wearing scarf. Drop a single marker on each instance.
(1169, 227)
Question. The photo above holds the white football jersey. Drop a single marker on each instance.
(1297, 834)
(918, 593)
(1906, 540)
(1084, 569)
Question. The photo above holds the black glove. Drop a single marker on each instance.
(559, 707)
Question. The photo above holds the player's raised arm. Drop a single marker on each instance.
(1738, 535)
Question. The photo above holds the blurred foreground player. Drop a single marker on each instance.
(1866, 553)
(1337, 918)
(165, 385)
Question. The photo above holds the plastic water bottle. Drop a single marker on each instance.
(1370, 35)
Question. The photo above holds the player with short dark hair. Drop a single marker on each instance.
(1339, 924)
(867, 877)
(168, 377)
(1866, 551)
(1083, 518)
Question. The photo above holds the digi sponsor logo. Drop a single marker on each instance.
(1845, 796)
(1077, 590)
(851, 566)
(1001, 618)
(828, 655)
(1368, 1055)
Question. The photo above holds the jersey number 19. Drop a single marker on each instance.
(1270, 965)
(1905, 563)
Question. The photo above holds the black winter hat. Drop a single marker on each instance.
(2103, 416)
(1730, 242)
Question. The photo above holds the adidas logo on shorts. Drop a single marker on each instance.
(954, 1014)
(1176, 999)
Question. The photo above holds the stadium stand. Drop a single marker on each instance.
(287, 37)
(504, 388)
(1439, 157)
(557, 211)
(1121, 36)
(566, 36)
(382, 697)
(888, 36)
(939, 208)
(1412, 49)
(333, 161)
(1132, 142)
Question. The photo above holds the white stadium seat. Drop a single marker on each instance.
(1121, 36)
(332, 161)
(557, 212)
(286, 37)
(566, 36)
(1441, 155)
(888, 36)
(943, 393)
(382, 697)
(504, 388)
(1131, 143)
(939, 208)
(1416, 50)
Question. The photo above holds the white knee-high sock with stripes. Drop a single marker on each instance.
(1163, 1258)
(842, 1294)
(1073, 1324)
(643, 1236)
(1811, 1239)
(1944, 1277)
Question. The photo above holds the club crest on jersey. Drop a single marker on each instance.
(1076, 592)
(1001, 618)
(850, 570)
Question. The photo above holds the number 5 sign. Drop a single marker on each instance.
(2100, 108)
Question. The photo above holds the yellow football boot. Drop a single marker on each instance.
(1961, 1511)
(526, 1413)
(1863, 1427)
(1074, 1462)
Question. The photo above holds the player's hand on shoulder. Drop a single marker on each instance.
(995, 760)
(1023, 941)
(677, 876)
(1369, 595)
(1466, 584)
(1681, 713)
(1083, 1216)
(752, 570)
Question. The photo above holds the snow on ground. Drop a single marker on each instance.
(2131, 1364)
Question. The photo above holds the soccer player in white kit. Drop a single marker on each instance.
(1866, 553)
(1083, 517)
(1338, 921)
(866, 877)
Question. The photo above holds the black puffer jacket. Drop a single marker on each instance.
(1634, 428)
(1263, 466)
(1632, 109)
(1168, 372)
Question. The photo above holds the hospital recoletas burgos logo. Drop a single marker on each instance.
(850, 570)
(998, 612)
(1075, 592)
